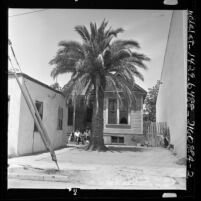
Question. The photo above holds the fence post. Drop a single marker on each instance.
(152, 133)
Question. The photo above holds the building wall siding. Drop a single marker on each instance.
(136, 120)
(171, 104)
(30, 141)
(14, 115)
(129, 139)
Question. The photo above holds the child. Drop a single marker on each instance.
(89, 133)
(77, 136)
(166, 141)
(82, 136)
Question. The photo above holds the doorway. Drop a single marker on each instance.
(89, 114)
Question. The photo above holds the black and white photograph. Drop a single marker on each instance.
(97, 99)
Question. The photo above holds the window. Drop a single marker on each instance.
(117, 114)
(112, 111)
(117, 140)
(70, 115)
(60, 118)
(123, 112)
(39, 106)
(121, 140)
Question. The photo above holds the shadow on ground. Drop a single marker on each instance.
(113, 149)
(61, 172)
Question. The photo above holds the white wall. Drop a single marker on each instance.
(13, 115)
(171, 104)
(29, 141)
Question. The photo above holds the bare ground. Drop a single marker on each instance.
(118, 168)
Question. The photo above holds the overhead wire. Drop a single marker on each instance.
(28, 13)
(14, 55)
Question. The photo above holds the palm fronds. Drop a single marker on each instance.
(83, 32)
(93, 61)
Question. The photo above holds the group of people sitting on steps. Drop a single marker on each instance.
(80, 136)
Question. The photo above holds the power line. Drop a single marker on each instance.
(10, 43)
(28, 13)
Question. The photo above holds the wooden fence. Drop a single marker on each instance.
(155, 133)
(146, 124)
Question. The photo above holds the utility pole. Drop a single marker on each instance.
(34, 111)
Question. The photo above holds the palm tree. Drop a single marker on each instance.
(98, 60)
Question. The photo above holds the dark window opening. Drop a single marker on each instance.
(112, 111)
(121, 140)
(70, 115)
(60, 119)
(39, 106)
(123, 120)
(118, 140)
(123, 112)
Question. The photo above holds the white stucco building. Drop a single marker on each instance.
(23, 137)
(171, 104)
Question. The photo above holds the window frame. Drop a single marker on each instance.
(60, 118)
(127, 110)
(71, 119)
(118, 115)
(41, 114)
(113, 110)
(117, 140)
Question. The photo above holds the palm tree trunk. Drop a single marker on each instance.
(96, 141)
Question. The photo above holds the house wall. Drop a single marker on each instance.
(171, 104)
(136, 125)
(129, 139)
(30, 141)
(13, 115)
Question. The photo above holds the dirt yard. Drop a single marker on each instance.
(118, 168)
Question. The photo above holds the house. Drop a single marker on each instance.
(121, 124)
(23, 135)
(171, 106)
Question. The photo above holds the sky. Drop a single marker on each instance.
(35, 37)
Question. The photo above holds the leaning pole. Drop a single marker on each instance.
(34, 112)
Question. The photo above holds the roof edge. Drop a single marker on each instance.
(140, 88)
(36, 81)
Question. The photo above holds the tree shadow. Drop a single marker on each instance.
(112, 149)
(125, 149)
